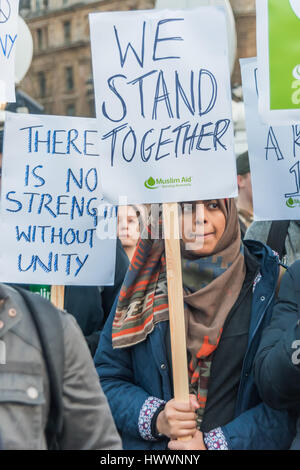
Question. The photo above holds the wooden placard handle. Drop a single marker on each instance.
(58, 296)
(176, 304)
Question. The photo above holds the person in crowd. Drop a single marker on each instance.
(283, 236)
(228, 292)
(50, 396)
(130, 222)
(244, 201)
(277, 362)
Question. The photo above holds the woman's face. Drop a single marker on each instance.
(203, 224)
(128, 226)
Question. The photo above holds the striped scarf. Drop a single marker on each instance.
(143, 300)
(199, 375)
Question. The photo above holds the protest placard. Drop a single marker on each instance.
(163, 103)
(8, 39)
(51, 204)
(274, 153)
(278, 54)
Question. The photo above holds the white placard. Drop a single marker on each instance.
(8, 39)
(163, 103)
(274, 154)
(278, 56)
(50, 196)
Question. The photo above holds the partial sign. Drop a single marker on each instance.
(163, 103)
(8, 39)
(51, 229)
(278, 50)
(274, 153)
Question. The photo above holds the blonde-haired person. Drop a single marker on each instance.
(130, 223)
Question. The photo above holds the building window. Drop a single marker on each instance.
(67, 31)
(39, 5)
(70, 109)
(42, 84)
(69, 79)
(42, 38)
(25, 4)
(39, 33)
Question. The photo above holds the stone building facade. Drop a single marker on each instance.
(245, 20)
(60, 74)
(60, 77)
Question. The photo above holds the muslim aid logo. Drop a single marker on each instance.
(165, 183)
(284, 54)
(290, 203)
(293, 202)
(150, 183)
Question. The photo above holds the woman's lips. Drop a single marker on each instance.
(204, 235)
(196, 237)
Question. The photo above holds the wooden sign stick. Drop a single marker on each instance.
(58, 296)
(176, 304)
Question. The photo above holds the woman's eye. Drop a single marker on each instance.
(213, 205)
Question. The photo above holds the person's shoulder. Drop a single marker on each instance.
(17, 296)
(258, 230)
(36, 305)
(260, 250)
(46, 305)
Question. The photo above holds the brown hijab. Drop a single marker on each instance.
(222, 276)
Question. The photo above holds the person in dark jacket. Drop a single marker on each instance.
(50, 396)
(229, 290)
(277, 363)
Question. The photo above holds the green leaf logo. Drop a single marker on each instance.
(150, 183)
(290, 203)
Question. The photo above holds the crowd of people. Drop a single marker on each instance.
(98, 375)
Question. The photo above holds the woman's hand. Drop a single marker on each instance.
(196, 443)
(178, 419)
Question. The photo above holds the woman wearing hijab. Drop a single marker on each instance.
(228, 291)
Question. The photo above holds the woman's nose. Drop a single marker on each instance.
(200, 216)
